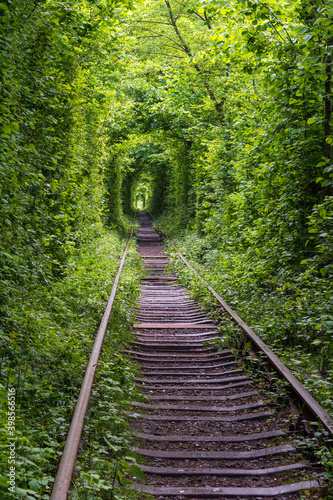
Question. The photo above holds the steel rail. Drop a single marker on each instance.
(65, 470)
(313, 407)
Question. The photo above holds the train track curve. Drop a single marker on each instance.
(205, 431)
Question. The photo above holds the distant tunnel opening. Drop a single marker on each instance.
(146, 184)
(139, 177)
(141, 194)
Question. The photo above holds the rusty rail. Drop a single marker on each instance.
(313, 408)
(65, 470)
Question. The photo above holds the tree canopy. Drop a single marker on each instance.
(216, 117)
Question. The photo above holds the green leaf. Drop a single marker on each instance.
(34, 485)
(15, 126)
(311, 120)
(120, 476)
(20, 492)
(137, 472)
(6, 129)
(111, 446)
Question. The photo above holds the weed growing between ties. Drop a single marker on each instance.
(47, 341)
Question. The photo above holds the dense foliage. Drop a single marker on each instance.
(57, 262)
(217, 116)
(237, 96)
(55, 329)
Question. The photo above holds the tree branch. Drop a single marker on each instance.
(218, 104)
(163, 35)
(146, 22)
(161, 53)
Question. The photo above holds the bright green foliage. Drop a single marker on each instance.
(57, 264)
(55, 327)
(222, 113)
(53, 109)
(239, 97)
(259, 165)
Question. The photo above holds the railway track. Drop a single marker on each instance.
(205, 430)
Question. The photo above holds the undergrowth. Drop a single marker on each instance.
(46, 341)
(290, 312)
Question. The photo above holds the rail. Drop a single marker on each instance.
(313, 408)
(65, 470)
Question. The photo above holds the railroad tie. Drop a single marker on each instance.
(203, 430)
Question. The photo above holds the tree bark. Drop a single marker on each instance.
(328, 107)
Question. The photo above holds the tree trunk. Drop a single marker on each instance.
(328, 106)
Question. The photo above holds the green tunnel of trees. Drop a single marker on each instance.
(215, 116)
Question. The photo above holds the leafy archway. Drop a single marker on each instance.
(141, 193)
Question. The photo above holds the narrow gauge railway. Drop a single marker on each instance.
(205, 431)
